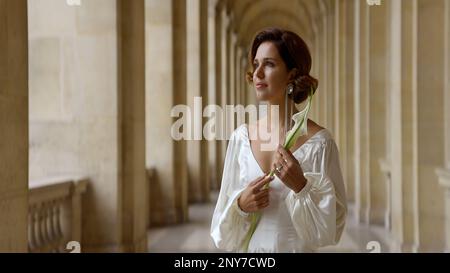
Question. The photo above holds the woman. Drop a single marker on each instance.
(304, 207)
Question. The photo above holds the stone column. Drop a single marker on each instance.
(179, 81)
(321, 96)
(377, 112)
(219, 76)
(238, 75)
(13, 126)
(340, 85)
(350, 98)
(316, 65)
(430, 117)
(212, 99)
(330, 91)
(197, 150)
(231, 67)
(133, 185)
(243, 78)
(166, 85)
(444, 173)
(204, 86)
(212, 89)
(225, 81)
(402, 156)
(361, 107)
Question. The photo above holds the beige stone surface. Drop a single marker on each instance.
(73, 106)
(13, 126)
(377, 112)
(430, 117)
(166, 44)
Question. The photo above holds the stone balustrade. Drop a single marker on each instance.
(54, 213)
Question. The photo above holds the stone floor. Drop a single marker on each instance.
(194, 235)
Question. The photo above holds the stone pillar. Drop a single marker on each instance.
(444, 173)
(377, 112)
(321, 96)
(204, 86)
(361, 107)
(179, 80)
(402, 156)
(243, 77)
(250, 94)
(330, 91)
(197, 149)
(316, 66)
(168, 189)
(13, 126)
(231, 67)
(212, 99)
(133, 185)
(225, 80)
(219, 75)
(350, 98)
(447, 87)
(340, 105)
(430, 117)
(238, 75)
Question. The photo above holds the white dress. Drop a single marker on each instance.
(293, 222)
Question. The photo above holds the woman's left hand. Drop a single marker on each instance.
(288, 169)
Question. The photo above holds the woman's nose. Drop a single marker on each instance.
(259, 73)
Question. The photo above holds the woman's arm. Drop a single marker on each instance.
(319, 210)
(229, 224)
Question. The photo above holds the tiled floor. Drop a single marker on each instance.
(194, 235)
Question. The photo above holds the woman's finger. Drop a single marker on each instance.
(286, 154)
(257, 180)
(262, 194)
(283, 162)
(264, 204)
(258, 185)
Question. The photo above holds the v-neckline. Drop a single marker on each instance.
(293, 153)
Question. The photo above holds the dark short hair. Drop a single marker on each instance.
(295, 54)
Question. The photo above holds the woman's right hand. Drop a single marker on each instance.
(254, 197)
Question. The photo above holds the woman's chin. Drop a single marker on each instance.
(263, 95)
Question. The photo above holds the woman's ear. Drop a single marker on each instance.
(292, 74)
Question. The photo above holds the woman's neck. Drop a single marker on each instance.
(275, 120)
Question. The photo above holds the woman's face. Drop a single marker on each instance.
(270, 76)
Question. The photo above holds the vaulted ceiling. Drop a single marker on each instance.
(247, 17)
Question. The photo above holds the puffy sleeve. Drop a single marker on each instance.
(319, 210)
(229, 223)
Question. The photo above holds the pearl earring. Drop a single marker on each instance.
(290, 89)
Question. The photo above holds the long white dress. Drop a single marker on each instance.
(293, 222)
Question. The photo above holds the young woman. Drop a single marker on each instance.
(304, 206)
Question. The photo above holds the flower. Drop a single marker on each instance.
(300, 128)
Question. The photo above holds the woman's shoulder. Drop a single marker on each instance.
(240, 133)
(318, 133)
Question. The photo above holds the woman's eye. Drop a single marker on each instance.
(270, 64)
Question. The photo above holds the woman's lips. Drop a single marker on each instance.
(261, 85)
